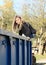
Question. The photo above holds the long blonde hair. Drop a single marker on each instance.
(15, 24)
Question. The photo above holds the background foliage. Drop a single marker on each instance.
(37, 19)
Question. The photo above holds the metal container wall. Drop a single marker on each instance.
(2, 51)
(20, 52)
(5, 50)
(15, 50)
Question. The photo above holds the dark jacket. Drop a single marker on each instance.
(27, 30)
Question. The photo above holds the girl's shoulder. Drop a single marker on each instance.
(26, 23)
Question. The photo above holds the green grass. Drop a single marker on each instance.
(38, 56)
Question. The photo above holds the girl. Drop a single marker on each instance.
(22, 27)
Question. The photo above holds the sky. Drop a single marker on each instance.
(19, 3)
(1, 2)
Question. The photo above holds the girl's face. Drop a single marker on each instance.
(18, 20)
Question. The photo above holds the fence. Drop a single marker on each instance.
(14, 49)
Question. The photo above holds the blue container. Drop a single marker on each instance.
(5, 49)
(14, 49)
